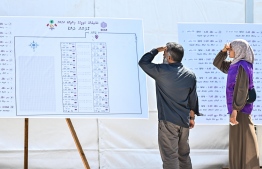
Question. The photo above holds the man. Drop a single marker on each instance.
(177, 104)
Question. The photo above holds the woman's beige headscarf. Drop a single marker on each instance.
(243, 51)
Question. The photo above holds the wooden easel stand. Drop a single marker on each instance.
(72, 130)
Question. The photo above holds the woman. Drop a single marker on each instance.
(243, 146)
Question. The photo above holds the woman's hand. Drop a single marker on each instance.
(233, 118)
(226, 47)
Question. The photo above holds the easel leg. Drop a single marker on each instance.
(78, 145)
(26, 144)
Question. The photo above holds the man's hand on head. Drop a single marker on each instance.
(161, 49)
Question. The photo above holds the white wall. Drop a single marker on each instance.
(126, 143)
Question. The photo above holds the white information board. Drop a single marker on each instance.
(71, 67)
(202, 42)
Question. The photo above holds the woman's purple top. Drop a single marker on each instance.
(231, 81)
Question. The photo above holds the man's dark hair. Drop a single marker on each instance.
(175, 50)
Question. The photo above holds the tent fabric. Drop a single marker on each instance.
(119, 143)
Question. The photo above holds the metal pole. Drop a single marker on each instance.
(249, 11)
